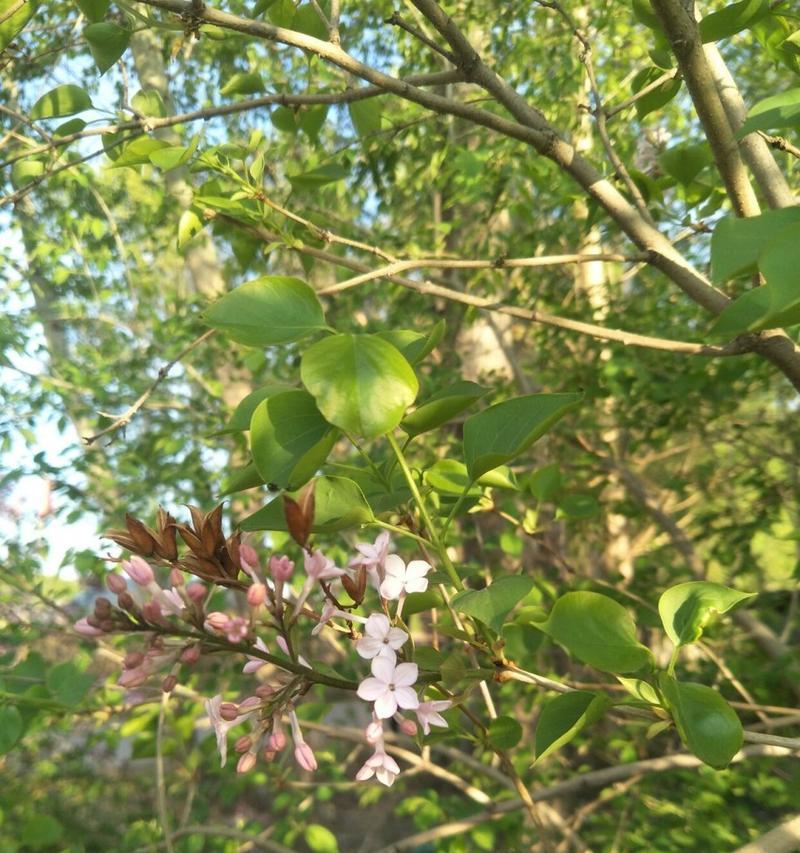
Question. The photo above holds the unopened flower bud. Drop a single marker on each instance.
(168, 684)
(277, 740)
(190, 655)
(256, 594)
(83, 627)
(102, 608)
(152, 611)
(196, 592)
(249, 703)
(116, 583)
(268, 755)
(126, 602)
(248, 557)
(228, 711)
(107, 625)
(217, 620)
(304, 756)
(139, 570)
(176, 577)
(281, 567)
(408, 727)
(243, 743)
(246, 763)
(133, 659)
(133, 677)
(264, 691)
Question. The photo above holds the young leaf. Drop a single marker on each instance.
(774, 113)
(289, 438)
(366, 116)
(442, 406)
(271, 310)
(687, 608)
(414, 345)
(492, 604)
(707, 724)
(138, 152)
(503, 431)
(318, 177)
(107, 43)
(504, 733)
(737, 243)
(449, 477)
(361, 383)
(189, 225)
(243, 413)
(243, 84)
(241, 480)
(598, 631)
(564, 717)
(95, 10)
(732, 19)
(658, 97)
(148, 102)
(62, 101)
(340, 504)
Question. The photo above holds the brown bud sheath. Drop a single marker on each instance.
(300, 515)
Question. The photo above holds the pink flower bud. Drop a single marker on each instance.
(126, 602)
(217, 620)
(408, 727)
(243, 743)
(264, 691)
(133, 659)
(248, 557)
(87, 630)
(228, 711)
(133, 677)
(304, 756)
(139, 570)
(196, 592)
(277, 740)
(282, 644)
(268, 755)
(152, 611)
(168, 684)
(256, 595)
(281, 567)
(248, 704)
(176, 577)
(190, 655)
(116, 583)
(246, 763)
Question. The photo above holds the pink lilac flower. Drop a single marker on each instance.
(83, 627)
(428, 714)
(284, 647)
(400, 579)
(256, 594)
(171, 601)
(390, 686)
(320, 567)
(254, 664)
(281, 567)
(303, 754)
(380, 638)
(380, 765)
(248, 557)
(329, 610)
(139, 570)
(372, 557)
(221, 725)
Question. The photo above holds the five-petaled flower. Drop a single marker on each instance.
(390, 686)
(372, 557)
(380, 639)
(400, 578)
(381, 765)
(428, 713)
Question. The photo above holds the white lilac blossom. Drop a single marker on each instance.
(254, 664)
(380, 639)
(428, 714)
(221, 726)
(372, 557)
(284, 647)
(400, 579)
(380, 765)
(390, 687)
(318, 568)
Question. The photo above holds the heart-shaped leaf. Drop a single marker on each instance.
(274, 309)
(598, 631)
(503, 431)
(107, 43)
(361, 383)
(492, 604)
(687, 608)
(707, 724)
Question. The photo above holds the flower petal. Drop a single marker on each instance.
(386, 705)
(405, 675)
(394, 566)
(385, 777)
(391, 588)
(396, 637)
(383, 670)
(405, 697)
(371, 688)
(377, 625)
(416, 585)
(368, 647)
(417, 569)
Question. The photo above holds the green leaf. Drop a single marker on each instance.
(318, 177)
(641, 690)
(521, 641)
(737, 243)
(449, 477)
(545, 483)
(243, 413)
(289, 439)
(307, 20)
(414, 345)
(107, 43)
(95, 10)
(687, 608)
(659, 97)
(320, 839)
(189, 226)
(361, 383)
(274, 309)
(503, 431)
(248, 83)
(598, 631)
(74, 125)
(241, 480)
(67, 684)
(13, 23)
(707, 724)
(774, 113)
(744, 313)
(421, 602)
(778, 263)
(138, 152)
(578, 506)
(366, 116)
(11, 727)
(504, 733)
(41, 831)
(285, 119)
(564, 717)
(148, 102)
(62, 101)
(492, 604)
(281, 13)
(338, 504)
(685, 162)
(442, 406)
(311, 121)
(25, 171)
(732, 19)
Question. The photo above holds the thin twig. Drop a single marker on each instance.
(161, 789)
